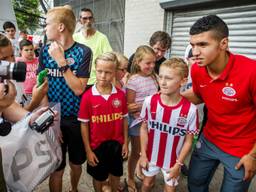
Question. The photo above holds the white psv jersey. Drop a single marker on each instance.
(167, 128)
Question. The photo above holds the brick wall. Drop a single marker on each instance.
(142, 18)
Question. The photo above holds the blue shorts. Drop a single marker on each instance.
(134, 130)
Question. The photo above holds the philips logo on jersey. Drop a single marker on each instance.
(163, 127)
(57, 72)
(107, 117)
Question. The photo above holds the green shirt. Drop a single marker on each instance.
(99, 44)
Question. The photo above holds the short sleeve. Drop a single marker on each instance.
(132, 83)
(144, 109)
(84, 111)
(105, 45)
(85, 66)
(193, 122)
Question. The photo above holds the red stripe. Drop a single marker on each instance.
(153, 106)
(174, 154)
(184, 110)
(161, 151)
(163, 137)
(150, 143)
(183, 113)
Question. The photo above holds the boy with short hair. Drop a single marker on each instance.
(170, 122)
(10, 30)
(28, 56)
(103, 113)
(68, 64)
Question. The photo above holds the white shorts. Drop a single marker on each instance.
(154, 170)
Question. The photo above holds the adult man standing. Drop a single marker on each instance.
(89, 36)
(160, 42)
(226, 84)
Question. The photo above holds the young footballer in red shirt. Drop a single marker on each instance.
(170, 122)
(226, 83)
(103, 113)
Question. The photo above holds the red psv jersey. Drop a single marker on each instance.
(231, 103)
(167, 128)
(105, 115)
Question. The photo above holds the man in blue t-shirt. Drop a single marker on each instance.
(68, 64)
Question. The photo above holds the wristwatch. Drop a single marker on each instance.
(63, 69)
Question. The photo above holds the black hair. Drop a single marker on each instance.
(8, 24)
(87, 10)
(210, 23)
(24, 43)
(162, 37)
(4, 41)
(190, 54)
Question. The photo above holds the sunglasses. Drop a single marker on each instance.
(87, 18)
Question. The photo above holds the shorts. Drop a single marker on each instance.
(134, 130)
(109, 154)
(72, 142)
(154, 170)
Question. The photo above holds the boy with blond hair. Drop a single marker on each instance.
(68, 64)
(103, 113)
(170, 122)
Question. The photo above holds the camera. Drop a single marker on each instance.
(43, 122)
(15, 71)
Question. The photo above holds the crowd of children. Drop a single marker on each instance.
(115, 108)
(144, 108)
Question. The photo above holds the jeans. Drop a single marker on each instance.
(204, 161)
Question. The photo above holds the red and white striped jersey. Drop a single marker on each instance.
(167, 128)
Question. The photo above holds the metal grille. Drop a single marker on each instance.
(241, 21)
(109, 17)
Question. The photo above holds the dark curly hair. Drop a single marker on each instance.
(210, 23)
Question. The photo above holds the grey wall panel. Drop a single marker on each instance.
(241, 21)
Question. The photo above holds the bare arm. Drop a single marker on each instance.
(75, 83)
(14, 112)
(249, 163)
(143, 161)
(125, 149)
(186, 148)
(191, 96)
(143, 138)
(132, 106)
(38, 96)
(91, 157)
(175, 170)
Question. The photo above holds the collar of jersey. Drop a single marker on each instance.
(96, 92)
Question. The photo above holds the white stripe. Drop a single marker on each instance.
(156, 141)
(170, 139)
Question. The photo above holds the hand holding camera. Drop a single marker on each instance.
(42, 119)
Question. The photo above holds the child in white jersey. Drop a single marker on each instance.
(169, 124)
(141, 84)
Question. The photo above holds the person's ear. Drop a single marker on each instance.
(184, 81)
(61, 27)
(224, 43)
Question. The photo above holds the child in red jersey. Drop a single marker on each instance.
(170, 122)
(103, 113)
